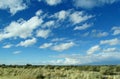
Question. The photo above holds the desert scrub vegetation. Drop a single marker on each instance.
(59, 72)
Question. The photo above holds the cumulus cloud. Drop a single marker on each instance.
(79, 16)
(21, 28)
(48, 24)
(36, 26)
(78, 59)
(62, 14)
(39, 12)
(46, 45)
(12, 5)
(71, 15)
(116, 30)
(8, 46)
(27, 42)
(114, 41)
(87, 4)
(53, 2)
(93, 49)
(54, 45)
(83, 27)
(43, 33)
(63, 46)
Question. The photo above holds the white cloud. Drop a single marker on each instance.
(39, 12)
(109, 50)
(102, 34)
(13, 5)
(79, 16)
(63, 46)
(114, 41)
(97, 33)
(61, 15)
(65, 61)
(46, 45)
(77, 59)
(8, 46)
(28, 42)
(43, 33)
(17, 52)
(70, 61)
(83, 27)
(116, 30)
(92, 3)
(48, 24)
(72, 16)
(21, 28)
(53, 2)
(58, 39)
(93, 49)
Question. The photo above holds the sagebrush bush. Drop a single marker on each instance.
(58, 72)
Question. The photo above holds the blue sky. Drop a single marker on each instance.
(60, 32)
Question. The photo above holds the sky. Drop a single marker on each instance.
(60, 32)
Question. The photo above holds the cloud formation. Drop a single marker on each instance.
(79, 16)
(88, 4)
(99, 33)
(93, 49)
(61, 15)
(13, 5)
(8, 46)
(43, 33)
(116, 30)
(78, 59)
(83, 27)
(109, 50)
(17, 52)
(49, 24)
(53, 2)
(27, 42)
(21, 28)
(46, 45)
(114, 41)
(63, 46)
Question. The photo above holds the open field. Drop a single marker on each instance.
(59, 72)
